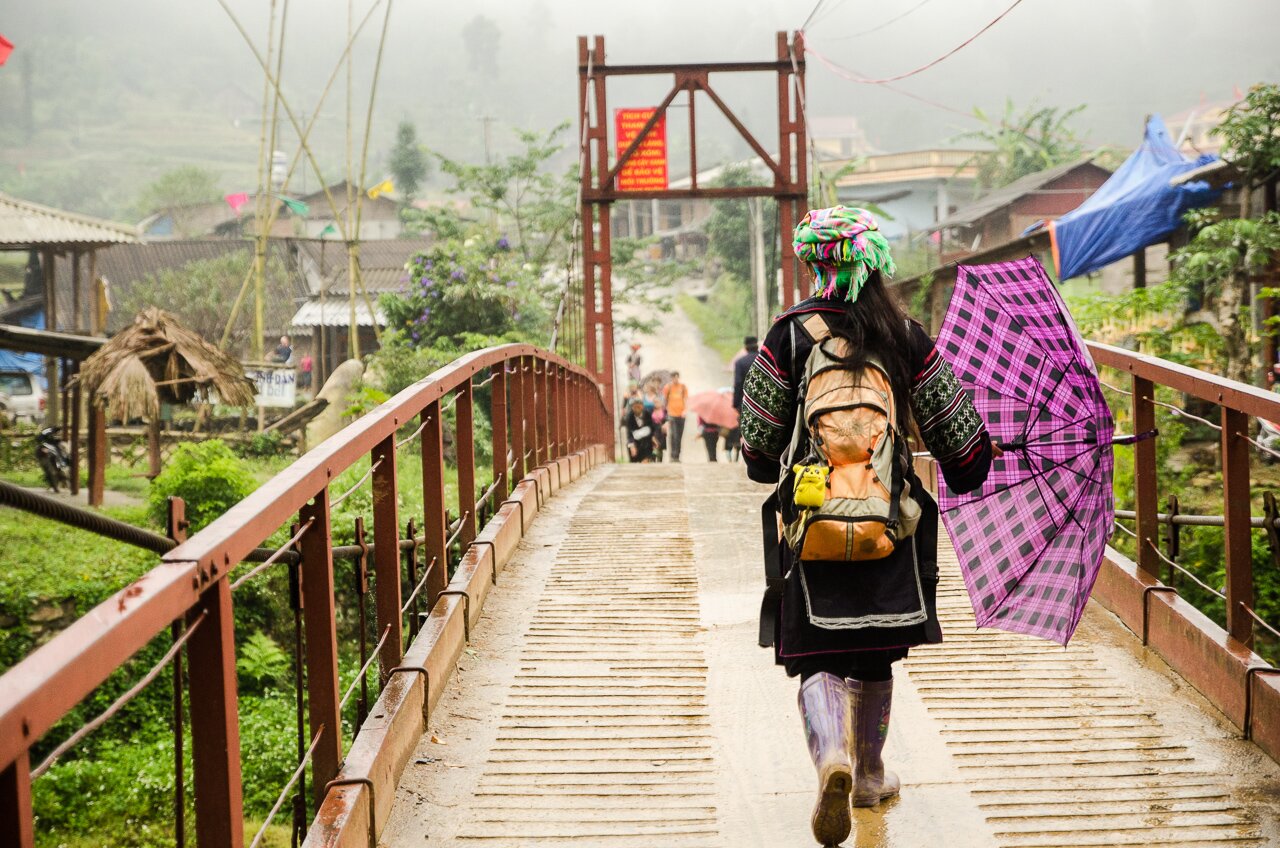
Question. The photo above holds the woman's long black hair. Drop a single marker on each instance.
(878, 327)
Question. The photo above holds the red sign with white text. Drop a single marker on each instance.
(646, 170)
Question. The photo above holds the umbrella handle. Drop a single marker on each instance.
(1136, 437)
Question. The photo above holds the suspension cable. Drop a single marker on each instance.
(386, 631)
(271, 560)
(1195, 579)
(333, 504)
(119, 703)
(297, 773)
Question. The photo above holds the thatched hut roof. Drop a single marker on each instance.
(157, 359)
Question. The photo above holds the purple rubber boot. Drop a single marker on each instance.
(869, 702)
(824, 704)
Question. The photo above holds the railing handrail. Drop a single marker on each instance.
(49, 682)
(222, 541)
(1253, 401)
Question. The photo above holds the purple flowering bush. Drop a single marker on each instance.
(461, 289)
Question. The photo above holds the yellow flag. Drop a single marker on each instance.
(384, 187)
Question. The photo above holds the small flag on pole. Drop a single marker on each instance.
(297, 207)
(384, 187)
(329, 230)
(237, 201)
(6, 47)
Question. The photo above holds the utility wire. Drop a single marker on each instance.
(879, 27)
(840, 70)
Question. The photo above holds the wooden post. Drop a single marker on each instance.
(433, 518)
(215, 721)
(153, 446)
(1140, 268)
(1144, 477)
(52, 397)
(386, 554)
(99, 453)
(75, 291)
(1235, 501)
(76, 403)
(322, 644)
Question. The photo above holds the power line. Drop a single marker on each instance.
(852, 77)
(879, 27)
(812, 12)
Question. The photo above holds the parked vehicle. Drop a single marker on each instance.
(54, 458)
(5, 415)
(26, 397)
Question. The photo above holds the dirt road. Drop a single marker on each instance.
(676, 345)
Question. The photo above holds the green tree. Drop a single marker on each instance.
(200, 293)
(1217, 265)
(729, 227)
(480, 37)
(182, 186)
(517, 194)
(1250, 133)
(408, 163)
(1023, 143)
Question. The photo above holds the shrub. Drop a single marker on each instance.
(266, 443)
(208, 476)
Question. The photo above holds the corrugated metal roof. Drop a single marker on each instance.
(382, 262)
(1002, 197)
(335, 313)
(24, 225)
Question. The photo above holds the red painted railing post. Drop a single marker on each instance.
(433, 503)
(562, 411)
(1144, 477)
(465, 449)
(215, 721)
(16, 823)
(322, 643)
(386, 554)
(1236, 510)
(535, 404)
(519, 421)
(498, 417)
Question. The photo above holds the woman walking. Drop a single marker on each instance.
(858, 588)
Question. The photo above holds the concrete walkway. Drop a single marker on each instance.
(614, 695)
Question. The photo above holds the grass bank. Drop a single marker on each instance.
(723, 317)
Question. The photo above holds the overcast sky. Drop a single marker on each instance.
(1121, 58)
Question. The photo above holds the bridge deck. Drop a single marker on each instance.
(613, 695)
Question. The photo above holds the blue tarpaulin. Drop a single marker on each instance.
(32, 363)
(1136, 207)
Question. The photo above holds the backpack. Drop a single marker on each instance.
(843, 493)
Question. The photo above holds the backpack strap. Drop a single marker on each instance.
(774, 578)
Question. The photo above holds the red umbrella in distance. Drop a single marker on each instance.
(715, 408)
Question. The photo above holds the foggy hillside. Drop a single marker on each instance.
(101, 98)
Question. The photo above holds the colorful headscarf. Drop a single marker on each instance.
(842, 246)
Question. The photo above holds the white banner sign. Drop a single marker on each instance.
(276, 386)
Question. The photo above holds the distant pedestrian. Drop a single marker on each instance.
(740, 368)
(676, 394)
(710, 435)
(633, 364)
(304, 371)
(642, 436)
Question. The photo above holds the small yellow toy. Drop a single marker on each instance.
(811, 485)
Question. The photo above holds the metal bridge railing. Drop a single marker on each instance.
(543, 408)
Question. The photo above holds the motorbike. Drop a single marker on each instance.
(53, 457)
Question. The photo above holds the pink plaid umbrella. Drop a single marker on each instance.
(1030, 541)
